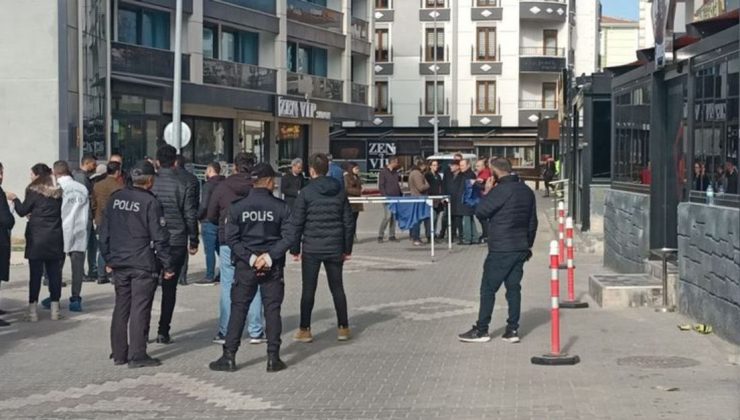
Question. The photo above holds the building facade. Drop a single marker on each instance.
(619, 40)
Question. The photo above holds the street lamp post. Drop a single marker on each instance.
(177, 82)
(436, 83)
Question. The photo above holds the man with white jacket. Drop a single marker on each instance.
(75, 216)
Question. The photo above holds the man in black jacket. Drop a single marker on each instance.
(323, 221)
(192, 192)
(7, 221)
(259, 233)
(389, 184)
(231, 189)
(209, 230)
(453, 186)
(293, 182)
(134, 242)
(511, 211)
(181, 214)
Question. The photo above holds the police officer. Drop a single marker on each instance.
(259, 234)
(134, 242)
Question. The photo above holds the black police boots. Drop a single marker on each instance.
(274, 364)
(225, 363)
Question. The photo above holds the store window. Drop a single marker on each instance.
(252, 135)
(519, 156)
(212, 140)
(292, 143)
(632, 135)
(715, 136)
(145, 27)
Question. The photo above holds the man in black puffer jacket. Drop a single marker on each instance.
(511, 211)
(181, 214)
(323, 222)
(192, 193)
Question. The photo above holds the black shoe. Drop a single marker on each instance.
(274, 364)
(474, 336)
(219, 339)
(182, 282)
(512, 336)
(205, 282)
(145, 362)
(225, 363)
(380, 240)
(103, 280)
(3, 312)
(119, 362)
(4, 323)
(392, 239)
(164, 339)
(89, 279)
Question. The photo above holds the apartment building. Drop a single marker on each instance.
(619, 41)
(264, 76)
(491, 66)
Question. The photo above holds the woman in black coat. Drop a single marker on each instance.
(6, 224)
(44, 237)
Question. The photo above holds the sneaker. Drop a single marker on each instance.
(474, 336)
(303, 335)
(418, 243)
(88, 279)
(144, 362)
(380, 239)
(512, 336)
(343, 334)
(103, 280)
(4, 323)
(392, 239)
(205, 282)
(164, 339)
(46, 303)
(258, 340)
(75, 305)
(219, 339)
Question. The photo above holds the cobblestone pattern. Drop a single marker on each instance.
(626, 231)
(709, 266)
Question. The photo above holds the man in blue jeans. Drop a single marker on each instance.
(209, 230)
(229, 190)
(511, 211)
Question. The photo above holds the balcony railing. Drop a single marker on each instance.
(537, 104)
(315, 86)
(238, 75)
(315, 15)
(135, 59)
(542, 51)
(359, 94)
(491, 108)
(360, 29)
(267, 6)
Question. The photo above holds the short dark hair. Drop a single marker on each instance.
(392, 159)
(319, 162)
(112, 168)
(243, 162)
(216, 167)
(88, 157)
(502, 164)
(61, 168)
(166, 155)
(41, 169)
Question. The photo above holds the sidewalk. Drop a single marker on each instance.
(404, 360)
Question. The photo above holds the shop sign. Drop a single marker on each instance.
(710, 112)
(710, 9)
(378, 154)
(291, 108)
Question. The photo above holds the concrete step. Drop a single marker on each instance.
(625, 290)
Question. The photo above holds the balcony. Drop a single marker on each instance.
(315, 15)
(493, 11)
(544, 11)
(538, 104)
(359, 94)
(531, 111)
(152, 62)
(267, 6)
(541, 59)
(485, 117)
(428, 66)
(383, 116)
(238, 75)
(360, 29)
(315, 86)
(426, 116)
(485, 65)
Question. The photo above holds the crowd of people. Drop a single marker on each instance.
(138, 229)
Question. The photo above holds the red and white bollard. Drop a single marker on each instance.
(555, 357)
(571, 303)
(561, 231)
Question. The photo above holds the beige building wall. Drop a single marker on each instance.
(619, 43)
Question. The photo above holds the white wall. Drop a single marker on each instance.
(618, 45)
(530, 85)
(586, 37)
(29, 90)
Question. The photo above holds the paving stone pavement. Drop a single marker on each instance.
(403, 362)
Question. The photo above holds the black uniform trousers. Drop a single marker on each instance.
(272, 287)
(169, 288)
(132, 313)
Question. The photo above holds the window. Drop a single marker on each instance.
(519, 156)
(549, 96)
(632, 135)
(550, 42)
(486, 44)
(381, 46)
(209, 42)
(148, 28)
(486, 3)
(307, 60)
(486, 97)
(435, 44)
(382, 4)
(239, 46)
(430, 92)
(381, 98)
(434, 3)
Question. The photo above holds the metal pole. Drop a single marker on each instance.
(449, 223)
(436, 111)
(108, 85)
(177, 82)
(433, 228)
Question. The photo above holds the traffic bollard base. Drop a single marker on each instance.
(573, 304)
(555, 360)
